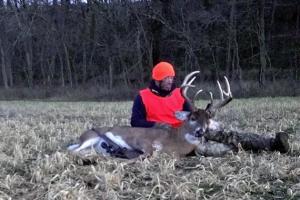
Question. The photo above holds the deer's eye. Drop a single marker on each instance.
(193, 118)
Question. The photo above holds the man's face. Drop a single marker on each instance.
(166, 83)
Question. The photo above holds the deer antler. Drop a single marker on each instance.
(212, 108)
(186, 84)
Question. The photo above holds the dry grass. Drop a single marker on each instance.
(35, 165)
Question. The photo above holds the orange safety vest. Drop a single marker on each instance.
(162, 109)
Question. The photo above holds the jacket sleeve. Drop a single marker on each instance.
(138, 114)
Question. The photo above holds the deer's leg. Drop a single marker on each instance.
(251, 141)
(88, 144)
(72, 147)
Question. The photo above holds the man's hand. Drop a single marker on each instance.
(162, 126)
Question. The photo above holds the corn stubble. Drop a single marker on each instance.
(35, 165)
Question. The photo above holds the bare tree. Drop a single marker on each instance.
(5, 51)
(3, 66)
(233, 67)
(262, 42)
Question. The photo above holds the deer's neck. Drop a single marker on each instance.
(187, 135)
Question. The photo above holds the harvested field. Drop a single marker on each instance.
(35, 165)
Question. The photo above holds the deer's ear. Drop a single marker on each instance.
(182, 115)
(208, 107)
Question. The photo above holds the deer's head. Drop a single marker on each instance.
(198, 121)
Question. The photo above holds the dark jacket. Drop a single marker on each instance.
(139, 115)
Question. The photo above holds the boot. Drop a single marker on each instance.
(280, 142)
(250, 141)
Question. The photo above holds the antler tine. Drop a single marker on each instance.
(226, 93)
(197, 93)
(187, 83)
(211, 98)
(220, 90)
(223, 101)
(188, 77)
(227, 87)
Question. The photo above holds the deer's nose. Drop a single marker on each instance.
(199, 132)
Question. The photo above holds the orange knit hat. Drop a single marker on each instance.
(162, 70)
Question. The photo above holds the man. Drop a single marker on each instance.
(155, 107)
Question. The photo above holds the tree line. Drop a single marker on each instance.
(110, 43)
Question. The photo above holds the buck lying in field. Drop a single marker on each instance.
(130, 142)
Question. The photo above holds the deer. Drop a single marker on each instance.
(132, 142)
